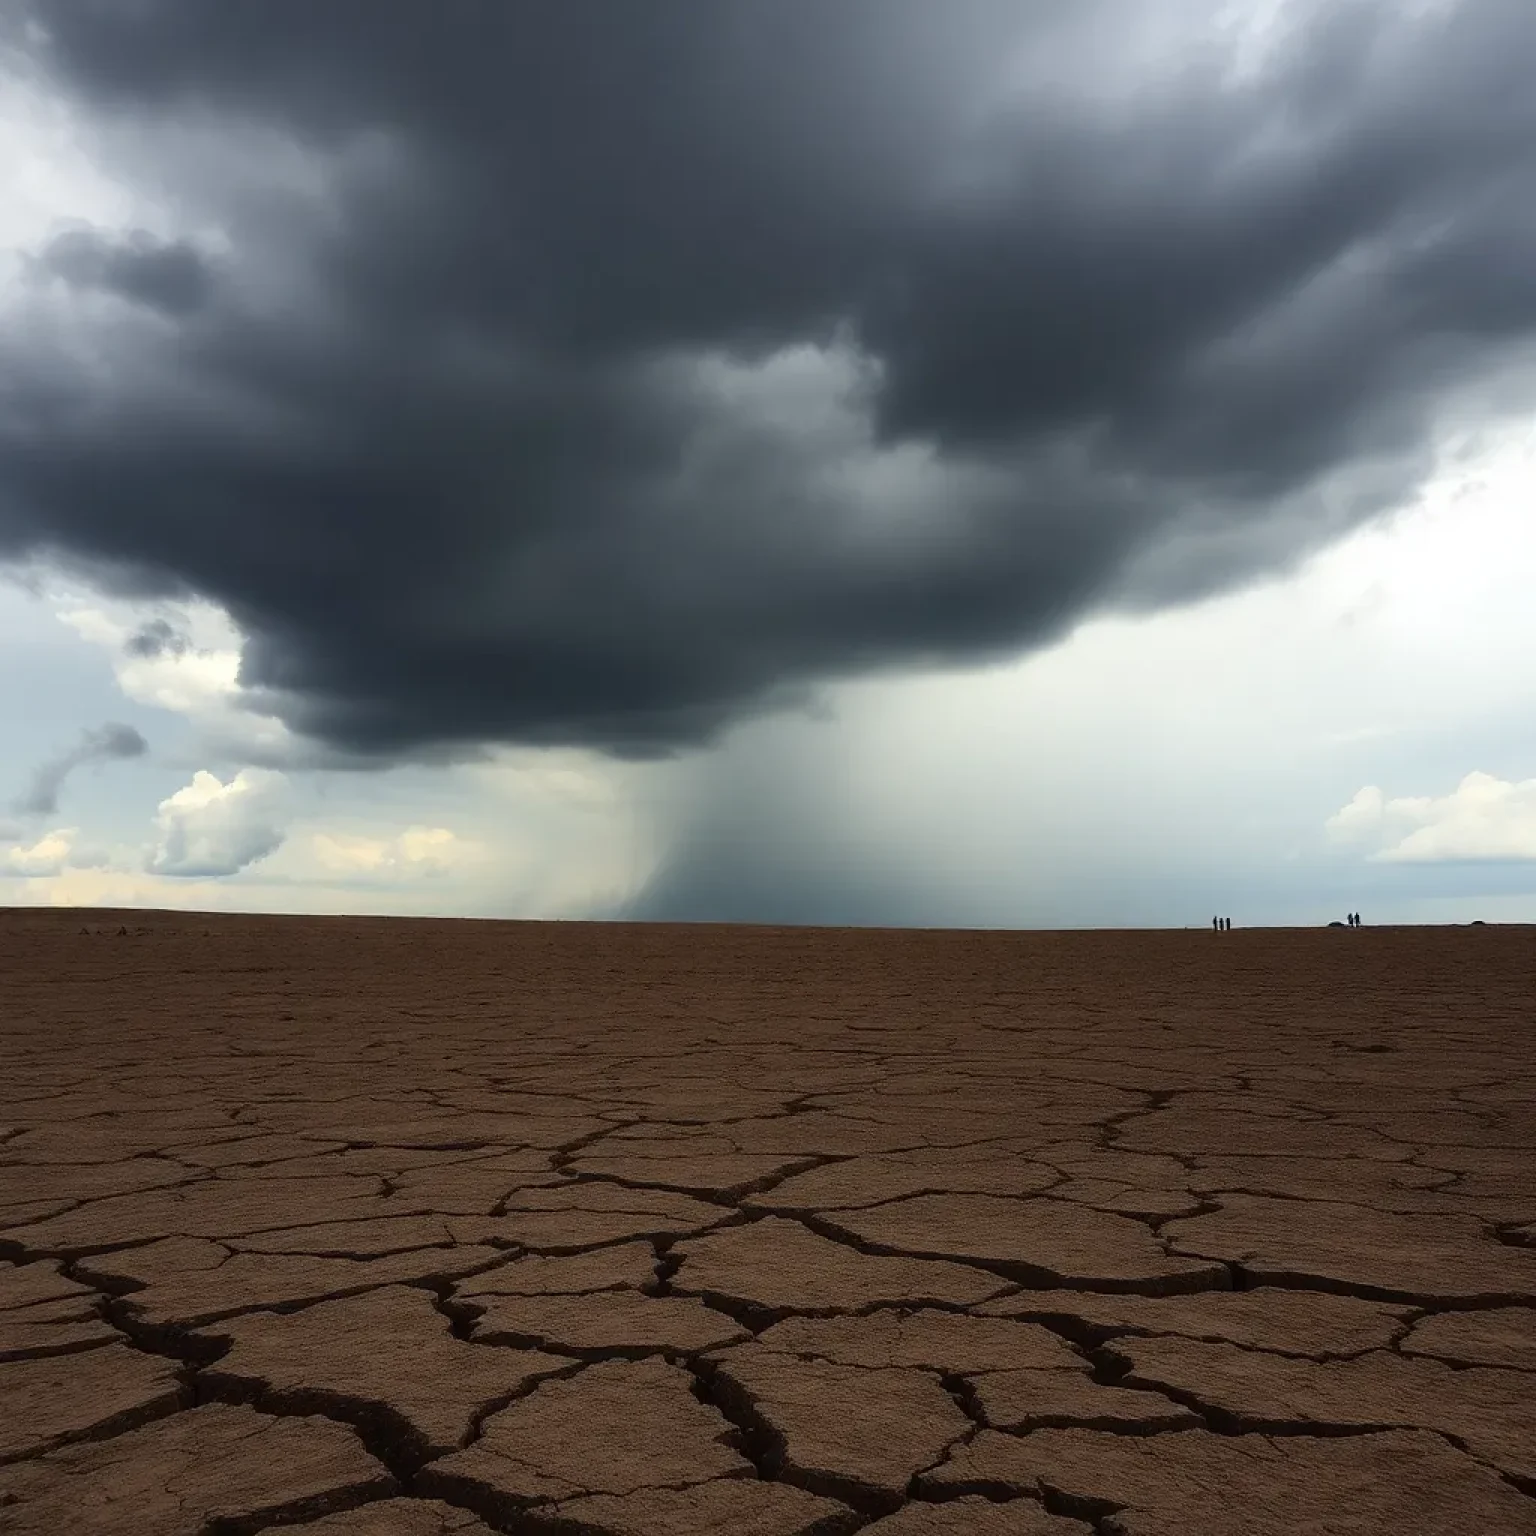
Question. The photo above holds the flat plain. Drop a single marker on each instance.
(401, 1228)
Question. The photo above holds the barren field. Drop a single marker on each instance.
(388, 1228)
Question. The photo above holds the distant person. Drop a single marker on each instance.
(1226, 923)
(1215, 925)
(1357, 919)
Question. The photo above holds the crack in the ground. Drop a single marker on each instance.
(1016, 1272)
(753, 1437)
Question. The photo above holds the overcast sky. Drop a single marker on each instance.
(871, 461)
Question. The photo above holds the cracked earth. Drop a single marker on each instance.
(385, 1228)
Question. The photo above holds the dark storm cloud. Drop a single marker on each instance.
(158, 637)
(605, 373)
(107, 743)
(168, 276)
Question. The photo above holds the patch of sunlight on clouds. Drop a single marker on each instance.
(49, 855)
(418, 851)
(574, 834)
(121, 888)
(48, 171)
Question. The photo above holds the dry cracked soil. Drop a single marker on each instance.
(407, 1228)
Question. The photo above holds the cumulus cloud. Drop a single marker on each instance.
(49, 855)
(53, 853)
(1484, 819)
(209, 829)
(112, 742)
(543, 402)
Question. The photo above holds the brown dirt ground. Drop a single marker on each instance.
(407, 1228)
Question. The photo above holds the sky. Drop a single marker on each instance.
(998, 464)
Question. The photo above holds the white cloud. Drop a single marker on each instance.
(54, 853)
(122, 888)
(192, 669)
(208, 828)
(1361, 819)
(1483, 818)
(49, 855)
(191, 677)
(418, 851)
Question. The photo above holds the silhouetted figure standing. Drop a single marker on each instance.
(1226, 923)
(1357, 919)
(1215, 925)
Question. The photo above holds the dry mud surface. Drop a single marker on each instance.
(370, 1228)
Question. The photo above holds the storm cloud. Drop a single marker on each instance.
(112, 742)
(167, 276)
(156, 638)
(606, 374)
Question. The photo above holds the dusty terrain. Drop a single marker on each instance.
(412, 1228)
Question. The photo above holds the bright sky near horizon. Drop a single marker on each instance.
(1061, 473)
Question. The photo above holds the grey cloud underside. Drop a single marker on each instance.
(169, 276)
(502, 434)
(112, 742)
(156, 638)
